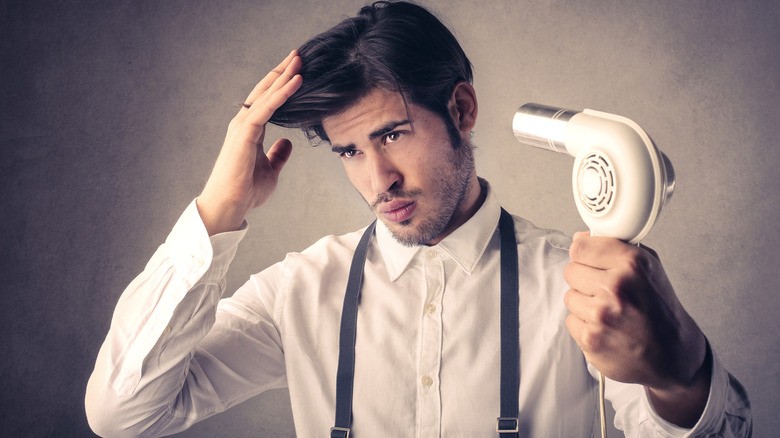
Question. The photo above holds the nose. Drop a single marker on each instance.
(384, 174)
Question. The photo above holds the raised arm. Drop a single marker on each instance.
(149, 378)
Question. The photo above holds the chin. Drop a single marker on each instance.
(410, 235)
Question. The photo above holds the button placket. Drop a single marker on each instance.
(429, 396)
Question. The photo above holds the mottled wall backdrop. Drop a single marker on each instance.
(113, 113)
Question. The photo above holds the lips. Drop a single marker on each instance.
(398, 210)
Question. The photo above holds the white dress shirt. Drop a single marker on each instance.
(427, 349)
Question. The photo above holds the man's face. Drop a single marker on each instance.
(402, 161)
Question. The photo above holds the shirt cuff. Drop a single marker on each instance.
(712, 417)
(196, 253)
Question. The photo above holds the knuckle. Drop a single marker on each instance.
(268, 107)
(617, 307)
(608, 314)
(238, 122)
(602, 315)
(632, 262)
(638, 261)
(235, 122)
(593, 339)
(613, 284)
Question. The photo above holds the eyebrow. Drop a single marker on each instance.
(387, 128)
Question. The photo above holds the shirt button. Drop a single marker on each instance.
(427, 381)
(167, 330)
(430, 308)
(431, 253)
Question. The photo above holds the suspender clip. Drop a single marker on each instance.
(507, 425)
(339, 432)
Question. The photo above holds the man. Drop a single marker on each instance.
(390, 91)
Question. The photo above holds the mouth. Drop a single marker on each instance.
(398, 211)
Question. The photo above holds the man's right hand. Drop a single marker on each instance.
(245, 176)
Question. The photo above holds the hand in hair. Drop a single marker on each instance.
(244, 175)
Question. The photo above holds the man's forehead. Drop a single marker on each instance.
(371, 112)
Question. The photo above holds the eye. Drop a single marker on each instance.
(348, 153)
(391, 137)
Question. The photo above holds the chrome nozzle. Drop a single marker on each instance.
(542, 126)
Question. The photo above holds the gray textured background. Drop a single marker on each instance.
(113, 113)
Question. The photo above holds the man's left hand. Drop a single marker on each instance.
(626, 318)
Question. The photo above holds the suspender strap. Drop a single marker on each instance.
(346, 368)
(508, 424)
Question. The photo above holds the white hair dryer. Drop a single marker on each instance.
(620, 179)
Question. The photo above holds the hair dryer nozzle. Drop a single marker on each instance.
(542, 126)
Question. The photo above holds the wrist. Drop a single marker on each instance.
(218, 218)
(683, 404)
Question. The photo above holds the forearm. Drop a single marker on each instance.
(159, 320)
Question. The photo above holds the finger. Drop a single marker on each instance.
(596, 311)
(578, 303)
(600, 252)
(589, 309)
(279, 153)
(586, 279)
(592, 340)
(576, 327)
(286, 75)
(269, 79)
(285, 86)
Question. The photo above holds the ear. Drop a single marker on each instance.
(463, 107)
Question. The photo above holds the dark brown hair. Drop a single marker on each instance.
(396, 46)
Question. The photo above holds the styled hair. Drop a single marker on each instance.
(394, 46)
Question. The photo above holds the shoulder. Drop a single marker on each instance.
(551, 243)
(343, 242)
(323, 263)
(329, 249)
(543, 255)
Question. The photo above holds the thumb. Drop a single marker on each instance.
(279, 153)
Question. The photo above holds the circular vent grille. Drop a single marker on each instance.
(596, 183)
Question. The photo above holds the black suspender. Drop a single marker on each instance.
(507, 424)
(346, 371)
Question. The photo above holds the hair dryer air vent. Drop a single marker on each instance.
(596, 183)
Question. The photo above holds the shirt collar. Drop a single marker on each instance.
(465, 245)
